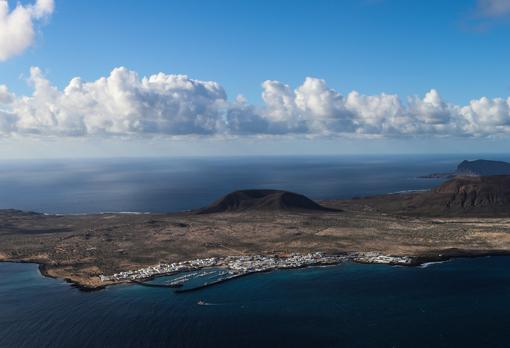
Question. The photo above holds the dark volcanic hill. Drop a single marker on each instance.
(481, 194)
(263, 200)
(460, 196)
(469, 195)
(483, 168)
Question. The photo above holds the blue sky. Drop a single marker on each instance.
(397, 47)
(405, 47)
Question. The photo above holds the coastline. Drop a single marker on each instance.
(415, 261)
(81, 249)
(43, 270)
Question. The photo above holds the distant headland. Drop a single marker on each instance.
(478, 167)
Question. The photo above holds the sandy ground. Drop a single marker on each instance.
(80, 248)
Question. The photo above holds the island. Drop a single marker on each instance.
(474, 168)
(260, 230)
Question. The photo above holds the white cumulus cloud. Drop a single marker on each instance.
(17, 25)
(124, 103)
(121, 103)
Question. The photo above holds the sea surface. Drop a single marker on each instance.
(459, 303)
(174, 184)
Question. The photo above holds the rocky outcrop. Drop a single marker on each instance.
(460, 196)
(480, 192)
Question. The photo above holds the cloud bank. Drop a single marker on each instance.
(17, 26)
(125, 104)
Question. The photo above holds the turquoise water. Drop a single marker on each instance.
(465, 302)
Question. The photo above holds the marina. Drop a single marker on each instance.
(219, 270)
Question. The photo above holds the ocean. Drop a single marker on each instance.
(462, 302)
(174, 184)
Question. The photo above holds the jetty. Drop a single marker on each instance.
(233, 267)
(152, 285)
(215, 282)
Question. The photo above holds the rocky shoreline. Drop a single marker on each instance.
(236, 265)
(81, 248)
(320, 259)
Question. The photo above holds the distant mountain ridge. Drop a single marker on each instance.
(482, 193)
(474, 196)
(466, 195)
(480, 187)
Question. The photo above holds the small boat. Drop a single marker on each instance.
(202, 303)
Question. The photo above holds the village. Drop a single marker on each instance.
(241, 265)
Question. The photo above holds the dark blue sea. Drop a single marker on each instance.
(173, 184)
(459, 303)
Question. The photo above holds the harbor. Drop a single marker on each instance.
(218, 270)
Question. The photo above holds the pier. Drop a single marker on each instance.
(237, 266)
(215, 282)
(150, 285)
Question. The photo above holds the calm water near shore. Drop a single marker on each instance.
(464, 302)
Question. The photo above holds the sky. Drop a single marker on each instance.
(86, 78)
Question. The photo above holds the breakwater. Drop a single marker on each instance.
(236, 266)
(151, 285)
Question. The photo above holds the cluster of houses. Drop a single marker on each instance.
(259, 263)
(161, 269)
(373, 257)
(238, 265)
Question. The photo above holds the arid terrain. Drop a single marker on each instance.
(81, 247)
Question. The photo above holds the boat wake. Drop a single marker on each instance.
(428, 264)
(204, 303)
